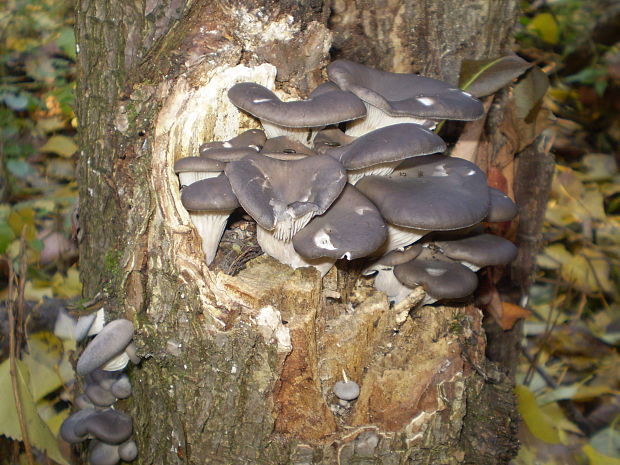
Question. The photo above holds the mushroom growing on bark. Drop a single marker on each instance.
(283, 196)
(294, 119)
(393, 98)
(351, 228)
(380, 151)
(428, 193)
(108, 349)
(209, 203)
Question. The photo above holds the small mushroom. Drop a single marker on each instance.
(101, 453)
(67, 429)
(107, 349)
(109, 426)
(89, 325)
(380, 151)
(502, 208)
(479, 251)
(327, 139)
(192, 169)
(295, 118)
(347, 389)
(99, 396)
(209, 203)
(121, 388)
(440, 279)
(252, 139)
(128, 451)
(385, 281)
(393, 98)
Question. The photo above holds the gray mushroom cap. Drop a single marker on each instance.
(440, 279)
(110, 342)
(327, 139)
(390, 143)
(351, 228)
(278, 194)
(405, 94)
(198, 165)
(128, 451)
(252, 138)
(397, 257)
(285, 145)
(502, 207)
(99, 396)
(226, 155)
(67, 429)
(213, 194)
(109, 426)
(104, 378)
(480, 250)
(100, 453)
(122, 387)
(433, 193)
(326, 108)
(347, 390)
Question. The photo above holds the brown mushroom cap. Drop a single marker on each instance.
(213, 194)
(405, 94)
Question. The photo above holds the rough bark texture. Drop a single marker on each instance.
(239, 369)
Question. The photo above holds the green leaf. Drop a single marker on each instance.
(19, 168)
(39, 433)
(66, 42)
(484, 77)
(60, 145)
(536, 420)
(545, 26)
(6, 237)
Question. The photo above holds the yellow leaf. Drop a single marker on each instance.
(553, 257)
(545, 26)
(69, 285)
(40, 435)
(596, 458)
(539, 424)
(23, 220)
(60, 145)
(37, 293)
(50, 124)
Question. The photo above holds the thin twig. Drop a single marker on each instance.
(13, 349)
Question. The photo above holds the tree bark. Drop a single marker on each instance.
(238, 366)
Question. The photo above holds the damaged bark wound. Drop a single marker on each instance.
(240, 369)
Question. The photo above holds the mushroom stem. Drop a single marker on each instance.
(380, 169)
(400, 237)
(375, 119)
(210, 226)
(385, 281)
(190, 177)
(284, 252)
(344, 376)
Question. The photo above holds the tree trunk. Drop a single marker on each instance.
(238, 367)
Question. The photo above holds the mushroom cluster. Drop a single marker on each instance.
(355, 171)
(101, 365)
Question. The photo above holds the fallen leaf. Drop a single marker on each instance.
(60, 145)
